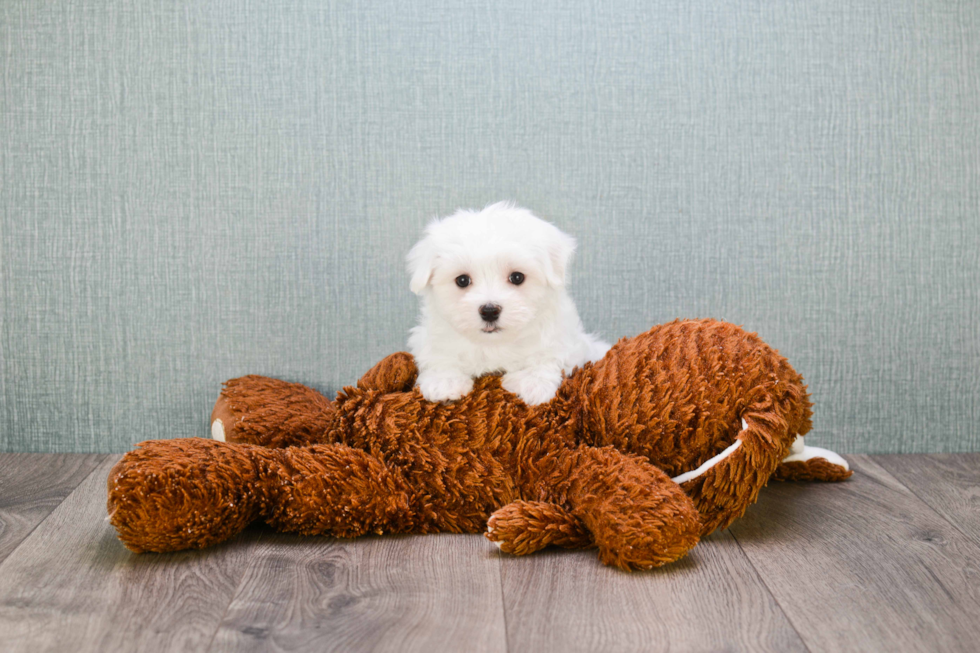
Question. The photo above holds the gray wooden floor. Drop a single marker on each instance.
(887, 561)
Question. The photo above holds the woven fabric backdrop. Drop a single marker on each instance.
(193, 191)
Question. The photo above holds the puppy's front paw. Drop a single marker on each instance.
(534, 385)
(444, 386)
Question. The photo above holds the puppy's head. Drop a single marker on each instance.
(490, 273)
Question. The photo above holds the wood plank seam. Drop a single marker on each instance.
(224, 613)
(26, 537)
(941, 513)
(924, 564)
(971, 539)
(771, 593)
(710, 600)
(503, 599)
(111, 598)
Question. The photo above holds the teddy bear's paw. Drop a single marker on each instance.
(507, 529)
(533, 385)
(523, 527)
(660, 541)
(394, 373)
(444, 386)
(167, 495)
(806, 463)
(654, 530)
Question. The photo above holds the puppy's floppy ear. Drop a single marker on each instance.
(560, 251)
(421, 264)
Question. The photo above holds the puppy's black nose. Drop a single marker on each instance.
(490, 312)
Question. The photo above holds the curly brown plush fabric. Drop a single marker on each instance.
(592, 467)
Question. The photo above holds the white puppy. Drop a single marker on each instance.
(492, 284)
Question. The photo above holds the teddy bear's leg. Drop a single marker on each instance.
(732, 483)
(805, 463)
(637, 516)
(170, 495)
(191, 493)
(337, 490)
(523, 527)
(271, 413)
(394, 373)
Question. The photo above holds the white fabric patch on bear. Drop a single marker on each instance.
(800, 452)
(711, 462)
(218, 430)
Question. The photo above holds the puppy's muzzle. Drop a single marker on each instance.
(490, 312)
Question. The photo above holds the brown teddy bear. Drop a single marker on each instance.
(668, 437)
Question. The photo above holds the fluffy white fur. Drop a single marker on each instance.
(538, 334)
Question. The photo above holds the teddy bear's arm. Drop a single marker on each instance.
(333, 489)
(394, 373)
(271, 413)
(523, 527)
(170, 495)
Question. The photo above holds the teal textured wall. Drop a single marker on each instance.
(191, 191)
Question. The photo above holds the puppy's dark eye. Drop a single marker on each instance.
(463, 280)
(516, 278)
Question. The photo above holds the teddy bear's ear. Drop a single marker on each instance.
(560, 252)
(421, 264)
